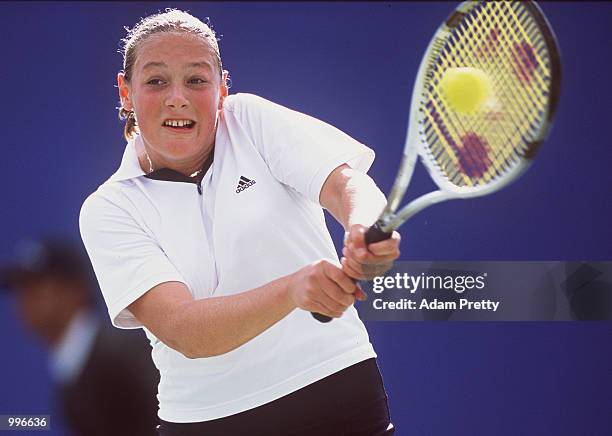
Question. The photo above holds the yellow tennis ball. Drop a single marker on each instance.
(466, 89)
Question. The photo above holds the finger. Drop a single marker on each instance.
(335, 274)
(364, 257)
(360, 295)
(350, 271)
(354, 265)
(359, 255)
(383, 248)
(366, 271)
(388, 247)
(383, 255)
(324, 310)
(357, 236)
(331, 307)
(333, 296)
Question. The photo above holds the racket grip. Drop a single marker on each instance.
(376, 234)
(321, 318)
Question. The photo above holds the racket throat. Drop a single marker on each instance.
(424, 201)
(376, 234)
(384, 223)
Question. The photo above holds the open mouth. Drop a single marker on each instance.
(179, 124)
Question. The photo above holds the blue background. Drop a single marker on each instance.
(350, 64)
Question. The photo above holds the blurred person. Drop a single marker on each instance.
(211, 237)
(100, 391)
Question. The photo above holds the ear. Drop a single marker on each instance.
(223, 89)
(124, 92)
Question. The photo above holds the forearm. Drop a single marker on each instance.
(355, 201)
(217, 325)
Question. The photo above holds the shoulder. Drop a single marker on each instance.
(242, 104)
(242, 99)
(109, 205)
(107, 197)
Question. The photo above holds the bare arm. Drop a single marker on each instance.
(217, 325)
(353, 198)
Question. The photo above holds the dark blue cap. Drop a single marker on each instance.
(42, 258)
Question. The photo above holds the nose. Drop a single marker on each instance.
(176, 98)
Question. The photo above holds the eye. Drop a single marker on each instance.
(155, 82)
(197, 81)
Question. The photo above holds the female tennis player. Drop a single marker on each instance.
(211, 237)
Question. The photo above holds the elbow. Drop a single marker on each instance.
(190, 350)
(185, 347)
(195, 340)
(201, 350)
(192, 355)
(200, 354)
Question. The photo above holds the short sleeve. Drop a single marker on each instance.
(127, 261)
(301, 151)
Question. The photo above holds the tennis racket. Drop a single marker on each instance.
(479, 152)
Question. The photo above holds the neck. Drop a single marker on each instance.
(150, 162)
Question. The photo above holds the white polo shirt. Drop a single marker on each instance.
(256, 219)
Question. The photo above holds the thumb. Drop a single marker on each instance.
(357, 236)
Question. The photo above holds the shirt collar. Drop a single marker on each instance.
(130, 167)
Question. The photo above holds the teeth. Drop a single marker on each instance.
(178, 123)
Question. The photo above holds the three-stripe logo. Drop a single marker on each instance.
(244, 183)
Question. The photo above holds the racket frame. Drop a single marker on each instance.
(415, 138)
(415, 144)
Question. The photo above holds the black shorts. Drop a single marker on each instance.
(350, 402)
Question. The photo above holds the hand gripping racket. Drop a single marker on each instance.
(477, 153)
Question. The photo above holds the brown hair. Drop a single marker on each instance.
(172, 20)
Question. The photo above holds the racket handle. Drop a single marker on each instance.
(321, 318)
(376, 234)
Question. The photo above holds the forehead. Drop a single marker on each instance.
(173, 48)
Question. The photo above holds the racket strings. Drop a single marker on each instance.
(537, 99)
(493, 167)
(473, 48)
(508, 156)
(500, 76)
(456, 124)
(530, 102)
(505, 72)
(529, 31)
(502, 39)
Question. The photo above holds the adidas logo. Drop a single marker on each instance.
(244, 183)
